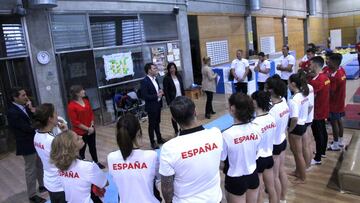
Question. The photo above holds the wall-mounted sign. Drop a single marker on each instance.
(43, 57)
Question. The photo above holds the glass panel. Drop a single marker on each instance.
(137, 60)
(69, 32)
(159, 27)
(17, 73)
(12, 40)
(78, 69)
(114, 31)
(107, 98)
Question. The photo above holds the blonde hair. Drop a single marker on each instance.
(63, 150)
(206, 59)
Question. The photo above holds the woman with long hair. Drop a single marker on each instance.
(82, 120)
(299, 110)
(241, 178)
(280, 111)
(265, 161)
(77, 176)
(173, 87)
(45, 120)
(134, 170)
(208, 85)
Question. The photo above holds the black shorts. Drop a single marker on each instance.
(299, 130)
(239, 185)
(277, 149)
(264, 163)
(308, 124)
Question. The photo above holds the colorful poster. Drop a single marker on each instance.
(118, 65)
(159, 58)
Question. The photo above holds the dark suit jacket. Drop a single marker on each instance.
(20, 124)
(170, 89)
(149, 94)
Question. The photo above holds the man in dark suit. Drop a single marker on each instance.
(152, 94)
(19, 117)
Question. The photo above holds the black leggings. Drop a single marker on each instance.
(208, 108)
(91, 141)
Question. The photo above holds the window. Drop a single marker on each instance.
(159, 27)
(12, 40)
(137, 61)
(107, 31)
(70, 32)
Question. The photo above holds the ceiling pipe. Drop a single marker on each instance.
(255, 5)
(39, 4)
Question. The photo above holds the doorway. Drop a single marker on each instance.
(195, 48)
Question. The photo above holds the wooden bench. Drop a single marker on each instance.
(349, 172)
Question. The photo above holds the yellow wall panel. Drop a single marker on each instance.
(338, 22)
(318, 30)
(296, 36)
(268, 26)
(348, 25)
(220, 27)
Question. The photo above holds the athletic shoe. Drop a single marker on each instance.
(314, 162)
(341, 142)
(323, 156)
(334, 147)
(37, 199)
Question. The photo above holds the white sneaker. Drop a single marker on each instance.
(341, 142)
(334, 147)
(314, 162)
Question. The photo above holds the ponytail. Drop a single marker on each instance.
(127, 129)
(124, 142)
(262, 99)
(303, 81)
(276, 85)
(300, 81)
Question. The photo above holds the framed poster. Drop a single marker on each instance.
(118, 65)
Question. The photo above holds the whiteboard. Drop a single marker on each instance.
(218, 51)
(335, 38)
(267, 44)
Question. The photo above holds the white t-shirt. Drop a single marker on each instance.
(240, 67)
(42, 143)
(285, 61)
(78, 178)
(134, 177)
(280, 111)
(267, 127)
(241, 143)
(299, 108)
(193, 158)
(177, 86)
(265, 65)
(311, 104)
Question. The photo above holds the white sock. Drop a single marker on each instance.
(340, 140)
